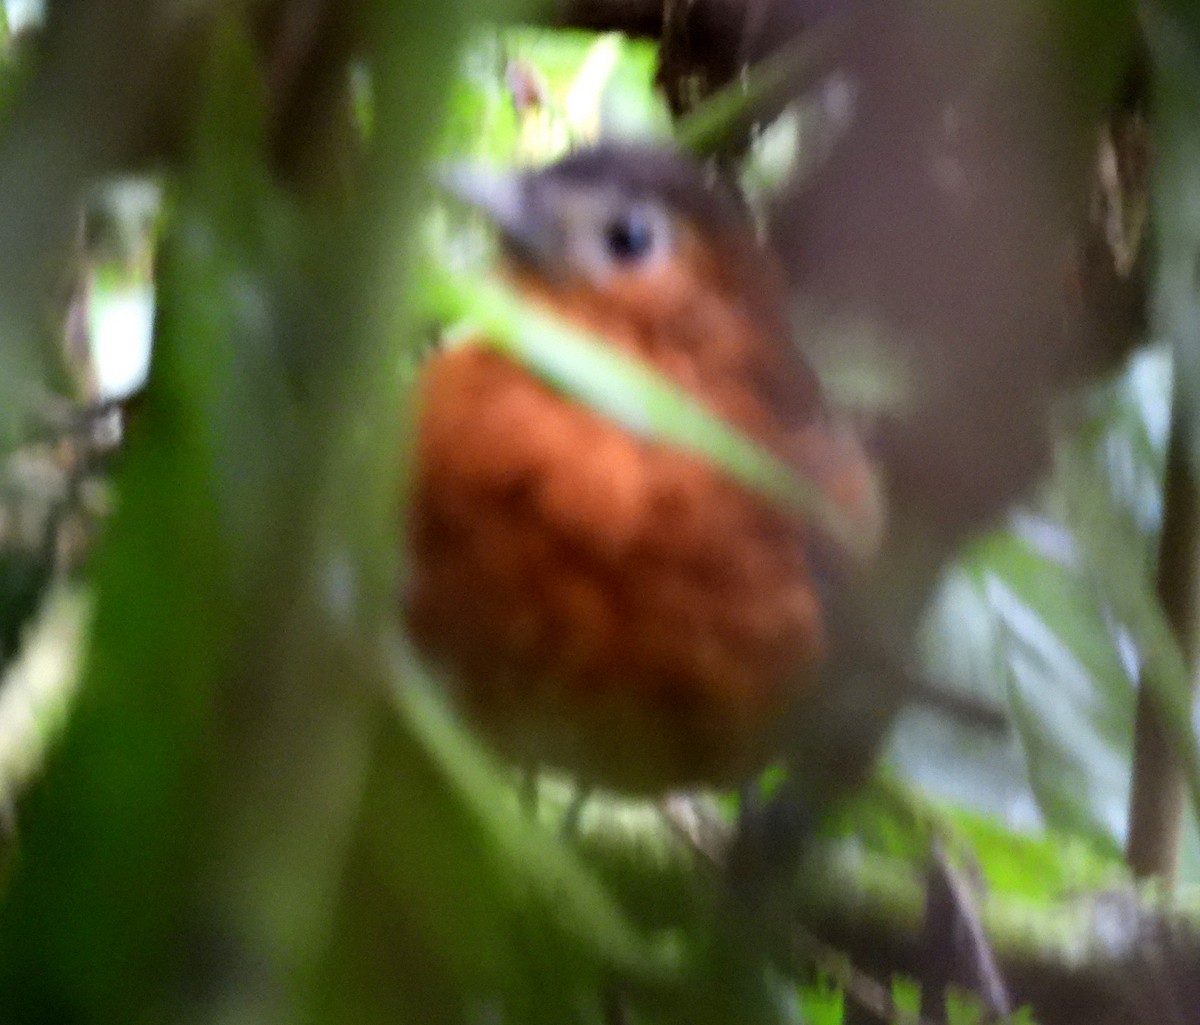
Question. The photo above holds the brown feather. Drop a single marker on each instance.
(607, 604)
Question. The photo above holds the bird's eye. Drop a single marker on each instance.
(629, 237)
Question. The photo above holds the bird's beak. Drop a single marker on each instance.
(501, 196)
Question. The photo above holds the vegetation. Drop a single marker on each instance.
(229, 793)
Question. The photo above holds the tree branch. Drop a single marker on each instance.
(1159, 781)
(1103, 957)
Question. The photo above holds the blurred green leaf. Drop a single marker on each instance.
(1070, 693)
(964, 1008)
(1094, 41)
(490, 907)
(637, 397)
(1109, 550)
(1025, 868)
(1038, 612)
(823, 1003)
(480, 122)
(526, 95)
(115, 819)
(24, 357)
(613, 95)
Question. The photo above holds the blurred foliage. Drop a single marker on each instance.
(526, 95)
(259, 811)
(19, 356)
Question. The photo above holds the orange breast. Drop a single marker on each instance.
(601, 603)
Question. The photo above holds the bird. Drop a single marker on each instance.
(598, 602)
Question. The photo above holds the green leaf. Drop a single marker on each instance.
(1070, 692)
(637, 397)
(1111, 554)
(823, 1003)
(89, 931)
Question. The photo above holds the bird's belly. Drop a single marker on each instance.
(601, 604)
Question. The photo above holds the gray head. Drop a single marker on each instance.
(607, 209)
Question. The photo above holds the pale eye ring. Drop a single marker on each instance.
(630, 236)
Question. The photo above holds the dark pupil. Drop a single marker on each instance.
(628, 237)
